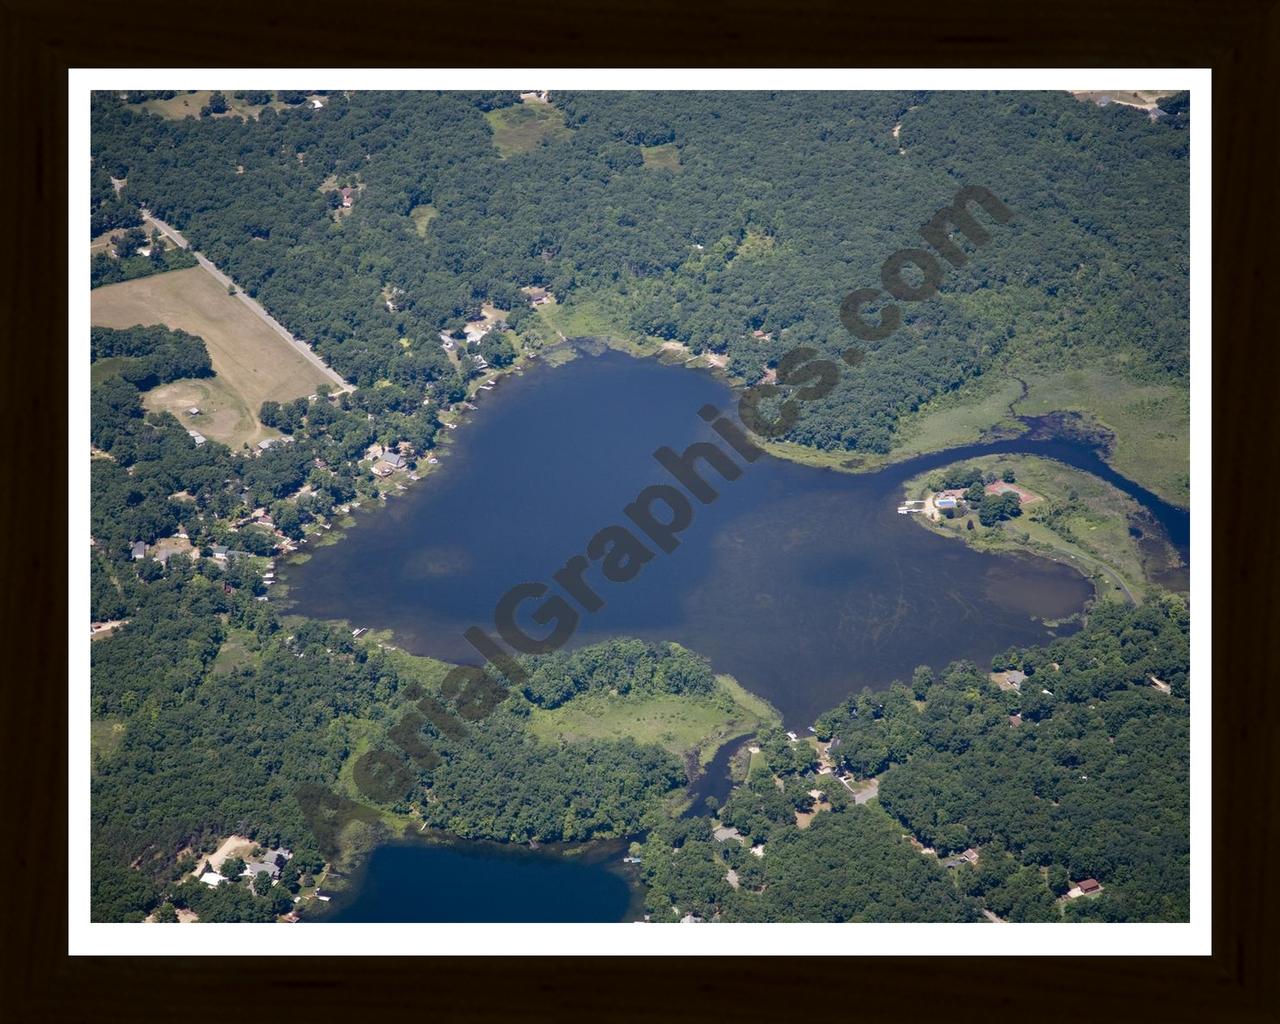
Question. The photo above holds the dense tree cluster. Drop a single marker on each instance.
(498, 782)
(784, 202)
(157, 355)
(1088, 779)
(109, 268)
(623, 666)
(1091, 777)
(107, 210)
(849, 865)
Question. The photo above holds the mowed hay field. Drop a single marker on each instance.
(252, 363)
(520, 128)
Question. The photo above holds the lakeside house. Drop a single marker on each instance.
(1009, 680)
(271, 442)
(394, 460)
(537, 296)
(271, 862)
(222, 553)
(946, 503)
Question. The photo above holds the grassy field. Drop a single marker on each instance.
(1151, 422)
(105, 736)
(590, 316)
(679, 723)
(422, 217)
(252, 362)
(188, 104)
(662, 156)
(520, 128)
(109, 367)
(239, 650)
(961, 417)
(1094, 535)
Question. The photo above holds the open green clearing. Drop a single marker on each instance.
(189, 104)
(957, 418)
(520, 128)
(677, 722)
(105, 736)
(666, 155)
(239, 650)
(589, 315)
(101, 369)
(422, 217)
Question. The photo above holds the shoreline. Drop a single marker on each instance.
(1101, 571)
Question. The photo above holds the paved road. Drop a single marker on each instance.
(300, 346)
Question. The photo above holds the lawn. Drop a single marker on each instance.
(105, 736)
(239, 650)
(422, 218)
(679, 723)
(665, 155)
(520, 128)
(252, 363)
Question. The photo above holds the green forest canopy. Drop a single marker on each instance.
(784, 202)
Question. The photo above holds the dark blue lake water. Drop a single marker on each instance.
(486, 882)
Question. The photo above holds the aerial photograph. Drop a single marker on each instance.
(637, 506)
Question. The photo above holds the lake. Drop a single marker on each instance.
(419, 881)
(803, 583)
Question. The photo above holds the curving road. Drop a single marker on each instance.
(298, 344)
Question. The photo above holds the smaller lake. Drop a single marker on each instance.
(459, 882)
